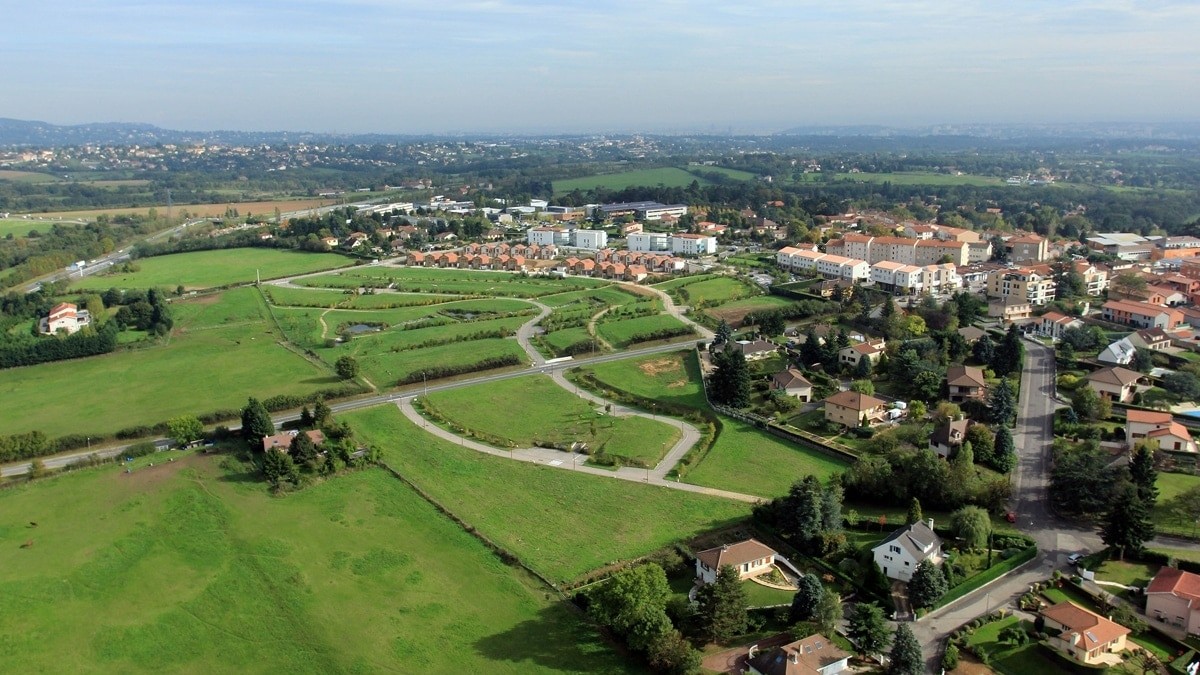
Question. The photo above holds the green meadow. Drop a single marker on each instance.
(209, 269)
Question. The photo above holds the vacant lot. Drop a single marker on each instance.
(561, 523)
(626, 332)
(184, 567)
(712, 291)
(672, 378)
(533, 410)
(734, 312)
(453, 281)
(223, 350)
(1171, 485)
(666, 177)
(209, 269)
(20, 227)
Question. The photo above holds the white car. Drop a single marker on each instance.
(1074, 558)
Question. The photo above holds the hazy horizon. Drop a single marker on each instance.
(497, 66)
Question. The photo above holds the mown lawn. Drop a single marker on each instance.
(323, 297)
(1171, 485)
(207, 269)
(626, 332)
(531, 410)
(763, 596)
(562, 523)
(672, 378)
(187, 567)
(222, 351)
(713, 291)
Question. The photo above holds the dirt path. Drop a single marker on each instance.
(591, 328)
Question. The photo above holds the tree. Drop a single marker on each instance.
(984, 350)
(306, 418)
(303, 450)
(828, 613)
(810, 351)
(927, 585)
(914, 511)
(1127, 283)
(1010, 353)
(863, 386)
(906, 653)
(983, 442)
(1090, 405)
(950, 657)
(671, 653)
(729, 383)
(724, 333)
(256, 423)
(1127, 524)
(867, 628)
(862, 370)
(809, 592)
(973, 525)
(1005, 456)
(1143, 360)
(1183, 384)
(37, 468)
(1002, 403)
(277, 466)
(926, 385)
(917, 410)
(771, 323)
(721, 606)
(633, 603)
(1142, 472)
(322, 415)
(346, 367)
(185, 429)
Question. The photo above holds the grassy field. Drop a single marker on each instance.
(671, 378)
(20, 227)
(452, 281)
(626, 332)
(204, 210)
(192, 373)
(666, 177)
(320, 297)
(1171, 485)
(736, 174)
(561, 523)
(207, 269)
(13, 176)
(733, 312)
(920, 178)
(187, 567)
(533, 410)
(712, 291)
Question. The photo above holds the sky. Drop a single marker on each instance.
(533, 66)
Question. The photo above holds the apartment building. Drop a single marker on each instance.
(1021, 284)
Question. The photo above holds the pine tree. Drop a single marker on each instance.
(730, 382)
(256, 423)
(322, 414)
(303, 450)
(1005, 456)
(927, 585)
(1127, 524)
(914, 511)
(808, 596)
(810, 351)
(867, 628)
(829, 612)
(306, 418)
(1002, 403)
(721, 606)
(1009, 354)
(277, 466)
(984, 350)
(724, 333)
(906, 653)
(1142, 473)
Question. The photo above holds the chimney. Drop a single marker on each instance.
(931, 523)
(795, 657)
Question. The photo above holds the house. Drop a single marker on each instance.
(1054, 324)
(1083, 635)
(948, 437)
(750, 558)
(1151, 338)
(1009, 310)
(1159, 426)
(1173, 596)
(284, 440)
(1021, 285)
(1141, 314)
(871, 351)
(1120, 353)
(971, 334)
(64, 316)
(1116, 383)
(1030, 248)
(755, 350)
(964, 383)
(792, 383)
(849, 408)
(899, 554)
(814, 655)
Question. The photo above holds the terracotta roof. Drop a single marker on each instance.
(965, 376)
(789, 378)
(1173, 429)
(1115, 375)
(802, 657)
(1147, 416)
(1084, 629)
(734, 554)
(284, 440)
(1176, 582)
(953, 432)
(855, 401)
(1134, 307)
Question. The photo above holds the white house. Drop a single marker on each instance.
(693, 244)
(66, 317)
(1054, 324)
(648, 241)
(1119, 353)
(750, 558)
(589, 239)
(547, 236)
(899, 554)
(1158, 426)
(814, 655)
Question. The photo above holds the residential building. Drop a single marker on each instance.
(1159, 426)
(872, 351)
(1173, 597)
(1155, 339)
(64, 316)
(1115, 382)
(840, 267)
(1021, 284)
(1094, 278)
(1083, 635)
(644, 210)
(899, 554)
(850, 408)
(755, 350)
(948, 437)
(547, 236)
(648, 241)
(1119, 353)
(965, 383)
(589, 239)
(1054, 324)
(1030, 248)
(693, 244)
(978, 251)
(750, 558)
(971, 334)
(1141, 314)
(814, 655)
(1009, 310)
(283, 441)
(792, 383)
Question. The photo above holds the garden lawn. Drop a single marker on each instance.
(1171, 485)
(625, 332)
(745, 459)
(209, 269)
(1010, 660)
(222, 351)
(186, 567)
(764, 596)
(561, 523)
(1125, 572)
(531, 410)
(671, 378)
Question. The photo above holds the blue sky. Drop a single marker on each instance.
(606, 65)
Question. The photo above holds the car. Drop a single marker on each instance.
(1074, 558)
(1011, 516)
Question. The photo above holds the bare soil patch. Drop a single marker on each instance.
(659, 366)
(164, 467)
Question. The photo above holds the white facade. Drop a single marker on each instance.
(546, 236)
(658, 212)
(590, 239)
(899, 554)
(648, 241)
(979, 251)
(693, 244)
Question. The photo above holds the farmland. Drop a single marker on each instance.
(453, 281)
(920, 178)
(208, 269)
(20, 227)
(203, 210)
(665, 176)
(708, 291)
(185, 567)
(625, 332)
(535, 410)
(733, 312)
(150, 385)
(559, 522)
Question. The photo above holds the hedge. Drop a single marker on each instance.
(990, 574)
(451, 371)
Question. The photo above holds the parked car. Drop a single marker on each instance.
(1011, 516)
(1074, 558)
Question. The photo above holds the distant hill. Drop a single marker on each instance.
(43, 134)
(1090, 130)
